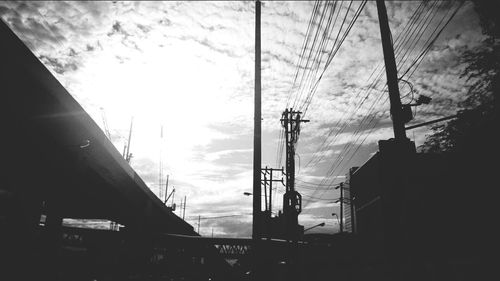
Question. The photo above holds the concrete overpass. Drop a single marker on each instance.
(56, 157)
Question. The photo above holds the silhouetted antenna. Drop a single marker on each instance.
(105, 123)
(127, 154)
(166, 190)
(170, 195)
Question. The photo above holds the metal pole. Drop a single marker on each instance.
(271, 194)
(256, 233)
(391, 72)
(199, 220)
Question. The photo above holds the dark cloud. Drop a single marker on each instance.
(118, 29)
(144, 28)
(165, 22)
(59, 66)
(269, 56)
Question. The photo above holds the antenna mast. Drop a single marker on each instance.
(128, 155)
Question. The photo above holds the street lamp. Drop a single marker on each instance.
(338, 221)
(321, 224)
(247, 193)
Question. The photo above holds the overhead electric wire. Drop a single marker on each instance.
(371, 117)
(313, 90)
(219, 217)
(411, 43)
(426, 47)
(415, 16)
(330, 173)
(332, 54)
(303, 49)
(426, 50)
(318, 58)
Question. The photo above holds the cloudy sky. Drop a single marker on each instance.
(189, 67)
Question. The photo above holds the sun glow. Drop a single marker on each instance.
(171, 86)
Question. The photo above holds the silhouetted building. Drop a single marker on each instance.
(430, 220)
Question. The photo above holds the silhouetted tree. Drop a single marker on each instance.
(477, 126)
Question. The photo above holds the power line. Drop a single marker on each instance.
(220, 217)
(348, 148)
(413, 18)
(315, 87)
(429, 42)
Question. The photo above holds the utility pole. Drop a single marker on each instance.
(180, 208)
(268, 203)
(256, 228)
(257, 156)
(199, 221)
(392, 74)
(265, 183)
(269, 171)
(184, 208)
(395, 156)
(292, 200)
(341, 207)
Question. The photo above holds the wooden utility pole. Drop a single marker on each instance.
(395, 157)
(392, 73)
(256, 228)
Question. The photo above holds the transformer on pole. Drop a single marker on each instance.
(292, 200)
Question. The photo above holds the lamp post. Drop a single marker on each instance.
(320, 224)
(338, 221)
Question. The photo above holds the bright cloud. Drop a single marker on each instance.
(188, 66)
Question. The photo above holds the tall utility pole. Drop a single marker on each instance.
(256, 228)
(292, 200)
(395, 157)
(392, 74)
